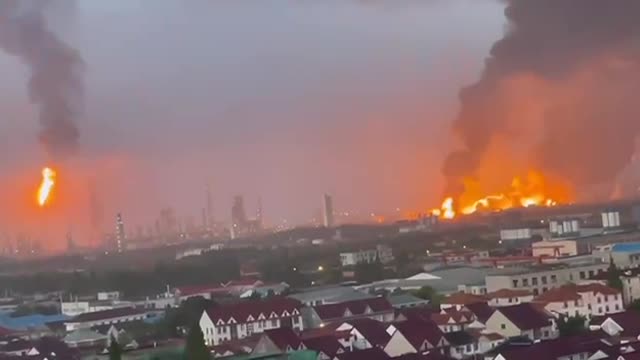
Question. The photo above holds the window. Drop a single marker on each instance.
(515, 283)
(590, 273)
(534, 281)
(544, 289)
(535, 292)
(525, 282)
(503, 326)
(607, 308)
(554, 279)
(589, 306)
(598, 300)
(566, 305)
(274, 323)
(469, 347)
(582, 277)
(617, 307)
(544, 280)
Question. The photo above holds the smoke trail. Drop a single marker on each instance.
(55, 83)
(570, 71)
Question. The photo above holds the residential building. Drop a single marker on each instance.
(630, 285)
(522, 320)
(581, 300)
(240, 320)
(365, 333)
(277, 341)
(459, 300)
(462, 344)
(406, 300)
(411, 337)
(578, 347)
(507, 297)
(381, 253)
(539, 279)
(453, 321)
(376, 308)
(328, 347)
(106, 317)
(624, 324)
(46, 348)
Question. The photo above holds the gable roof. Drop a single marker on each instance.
(328, 345)
(482, 311)
(452, 318)
(525, 316)
(352, 308)
(417, 332)
(368, 354)
(508, 293)
(241, 311)
(553, 349)
(461, 298)
(597, 288)
(561, 294)
(284, 338)
(629, 321)
(420, 313)
(374, 331)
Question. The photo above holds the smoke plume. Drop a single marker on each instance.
(558, 93)
(55, 85)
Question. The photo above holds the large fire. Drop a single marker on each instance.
(46, 186)
(532, 191)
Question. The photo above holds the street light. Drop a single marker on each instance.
(320, 268)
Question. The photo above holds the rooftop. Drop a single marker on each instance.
(525, 316)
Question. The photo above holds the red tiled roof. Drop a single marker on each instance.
(200, 289)
(508, 293)
(452, 318)
(417, 332)
(418, 313)
(629, 321)
(598, 289)
(283, 338)
(461, 298)
(561, 294)
(374, 331)
(107, 314)
(355, 307)
(553, 349)
(240, 312)
(525, 316)
(482, 311)
(328, 345)
(243, 282)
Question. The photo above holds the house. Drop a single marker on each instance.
(522, 320)
(368, 354)
(85, 337)
(46, 348)
(460, 299)
(563, 348)
(581, 300)
(506, 297)
(365, 333)
(625, 324)
(409, 337)
(452, 321)
(329, 295)
(106, 317)
(278, 341)
(482, 313)
(327, 347)
(376, 308)
(381, 253)
(240, 320)
(266, 290)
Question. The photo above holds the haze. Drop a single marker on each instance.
(285, 100)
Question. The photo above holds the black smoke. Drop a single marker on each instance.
(55, 84)
(585, 51)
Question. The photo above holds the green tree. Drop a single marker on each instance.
(195, 348)
(635, 305)
(571, 325)
(115, 351)
(429, 293)
(613, 276)
(188, 313)
(369, 272)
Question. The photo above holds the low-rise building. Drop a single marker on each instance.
(240, 320)
(508, 297)
(539, 279)
(522, 320)
(365, 334)
(377, 309)
(106, 317)
(624, 324)
(329, 295)
(630, 285)
(414, 337)
(381, 253)
(459, 300)
(581, 300)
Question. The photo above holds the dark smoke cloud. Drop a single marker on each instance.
(55, 83)
(586, 54)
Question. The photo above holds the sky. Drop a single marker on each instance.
(283, 100)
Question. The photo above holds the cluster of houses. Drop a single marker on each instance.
(496, 325)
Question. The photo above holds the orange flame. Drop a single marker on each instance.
(530, 192)
(48, 182)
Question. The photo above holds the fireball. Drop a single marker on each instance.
(46, 187)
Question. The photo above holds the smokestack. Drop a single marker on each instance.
(558, 92)
(55, 84)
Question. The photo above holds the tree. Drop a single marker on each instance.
(115, 351)
(635, 305)
(571, 325)
(613, 276)
(188, 313)
(429, 293)
(369, 272)
(195, 348)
